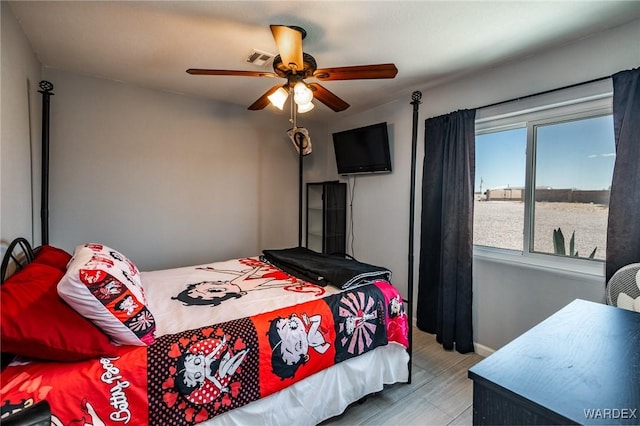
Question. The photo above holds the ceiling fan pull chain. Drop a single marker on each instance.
(293, 118)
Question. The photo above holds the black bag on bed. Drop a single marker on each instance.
(38, 414)
(323, 269)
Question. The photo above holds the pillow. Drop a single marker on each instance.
(104, 286)
(52, 256)
(36, 323)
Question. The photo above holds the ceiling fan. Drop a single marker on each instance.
(295, 66)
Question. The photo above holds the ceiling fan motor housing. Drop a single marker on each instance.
(284, 71)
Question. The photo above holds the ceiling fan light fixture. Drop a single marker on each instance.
(302, 95)
(305, 107)
(278, 98)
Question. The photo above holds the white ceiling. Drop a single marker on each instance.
(152, 43)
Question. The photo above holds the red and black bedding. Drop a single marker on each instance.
(185, 345)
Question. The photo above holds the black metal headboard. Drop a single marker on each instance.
(20, 252)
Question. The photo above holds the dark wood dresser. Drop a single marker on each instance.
(579, 366)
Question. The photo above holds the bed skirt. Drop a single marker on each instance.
(341, 384)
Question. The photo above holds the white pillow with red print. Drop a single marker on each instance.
(102, 285)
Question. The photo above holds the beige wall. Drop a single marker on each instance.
(167, 179)
(19, 134)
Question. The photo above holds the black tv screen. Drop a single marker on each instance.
(363, 150)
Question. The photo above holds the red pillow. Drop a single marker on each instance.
(36, 323)
(52, 256)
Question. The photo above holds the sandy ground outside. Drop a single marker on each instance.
(501, 224)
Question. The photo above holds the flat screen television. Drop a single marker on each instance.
(363, 150)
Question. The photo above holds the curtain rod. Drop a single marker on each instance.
(545, 92)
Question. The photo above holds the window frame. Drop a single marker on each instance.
(581, 102)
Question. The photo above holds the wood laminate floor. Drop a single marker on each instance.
(439, 394)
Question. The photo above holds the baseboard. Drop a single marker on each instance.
(483, 350)
(479, 348)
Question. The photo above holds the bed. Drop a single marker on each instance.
(240, 341)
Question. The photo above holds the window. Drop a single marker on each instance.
(500, 184)
(543, 176)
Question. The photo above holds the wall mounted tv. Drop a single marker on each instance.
(363, 150)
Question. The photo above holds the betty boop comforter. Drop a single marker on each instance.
(186, 377)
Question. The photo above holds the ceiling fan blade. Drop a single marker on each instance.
(289, 42)
(200, 71)
(263, 100)
(328, 98)
(357, 72)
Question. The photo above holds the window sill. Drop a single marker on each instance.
(562, 265)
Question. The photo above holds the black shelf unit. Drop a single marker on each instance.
(327, 217)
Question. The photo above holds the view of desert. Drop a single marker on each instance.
(500, 224)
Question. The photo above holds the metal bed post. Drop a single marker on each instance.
(300, 183)
(415, 101)
(46, 88)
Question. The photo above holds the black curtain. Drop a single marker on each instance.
(623, 231)
(446, 241)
